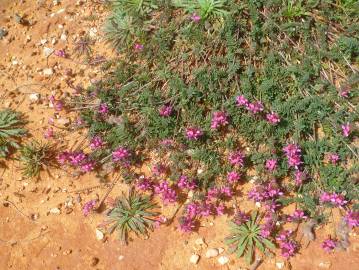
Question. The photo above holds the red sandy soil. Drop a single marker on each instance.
(30, 236)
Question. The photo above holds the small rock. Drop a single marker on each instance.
(63, 37)
(194, 259)
(55, 211)
(223, 260)
(325, 265)
(48, 51)
(3, 33)
(43, 41)
(67, 252)
(94, 261)
(48, 71)
(93, 32)
(121, 257)
(279, 265)
(220, 250)
(212, 252)
(34, 97)
(99, 234)
(63, 121)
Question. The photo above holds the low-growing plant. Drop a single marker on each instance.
(11, 130)
(132, 213)
(246, 238)
(36, 156)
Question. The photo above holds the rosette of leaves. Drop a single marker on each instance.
(132, 213)
(246, 238)
(204, 8)
(11, 130)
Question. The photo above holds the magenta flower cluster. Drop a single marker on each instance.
(233, 177)
(293, 153)
(328, 245)
(352, 219)
(121, 154)
(257, 107)
(241, 217)
(96, 143)
(288, 246)
(185, 183)
(77, 159)
(236, 158)
(88, 207)
(265, 192)
(297, 216)
(166, 110)
(193, 133)
(167, 193)
(333, 199)
(271, 164)
(219, 119)
(103, 109)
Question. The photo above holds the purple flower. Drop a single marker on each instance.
(138, 47)
(168, 194)
(233, 177)
(273, 118)
(297, 215)
(195, 18)
(288, 249)
(352, 218)
(121, 154)
(60, 53)
(299, 177)
(293, 154)
(236, 158)
(144, 183)
(241, 101)
(88, 207)
(265, 192)
(346, 129)
(96, 143)
(271, 164)
(159, 169)
(88, 166)
(284, 235)
(49, 133)
(334, 158)
(63, 157)
(193, 133)
(267, 229)
(186, 224)
(219, 119)
(333, 199)
(255, 107)
(183, 183)
(328, 245)
(103, 108)
(76, 158)
(219, 209)
(192, 210)
(166, 110)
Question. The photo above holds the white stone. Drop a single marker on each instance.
(48, 51)
(34, 97)
(279, 265)
(220, 250)
(325, 265)
(200, 241)
(194, 259)
(223, 260)
(258, 204)
(99, 235)
(121, 257)
(43, 41)
(63, 37)
(48, 71)
(211, 252)
(55, 211)
(93, 32)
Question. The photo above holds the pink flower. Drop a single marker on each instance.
(186, 224)
(49, 133)
(63, 157)
(220, 208)
(168, 194)
(96, 143)
(193, 133)
(103, 108)
(293, 154)
(166, 110)
(297, 215)
(88, 207)
(240, 217)
(195, 18)
(241, 101)
(288, 249)
(255, 107)
(334, 158)
(138, 47)
(219, 119)
(88, 166)
(60, 53)
(192, 210)
(346, 129)
(273, 118)
(159, 169)
(121, 154)
(233, 177)
(271, 164)
(144, 184)
(352, 218)
(236, 158)
(333, 199)
(328, 245)
(299, 177)
(183, 183)
(57, 104)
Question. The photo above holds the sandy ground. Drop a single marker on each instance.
(33, 238)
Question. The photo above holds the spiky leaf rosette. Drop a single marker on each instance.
(132, 213)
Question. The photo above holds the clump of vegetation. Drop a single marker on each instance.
(36, 156)
(132, 213)
(211, 89)
(246, 238)
(11, 131)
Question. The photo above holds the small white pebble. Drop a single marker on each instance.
(223, 260)
(194, 259)
(279, 265)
